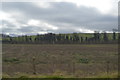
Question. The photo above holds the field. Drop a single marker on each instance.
(63, 60)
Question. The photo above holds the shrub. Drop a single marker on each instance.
(83, 60)
(11, 60)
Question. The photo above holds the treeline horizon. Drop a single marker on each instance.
(72, 38)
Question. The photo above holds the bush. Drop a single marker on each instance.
(11, 60)
(83, 60)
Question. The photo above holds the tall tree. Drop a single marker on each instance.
(96, 35)
(105, 37)
(86, 39)
(114, 36)
(81, 39)
(75, 37)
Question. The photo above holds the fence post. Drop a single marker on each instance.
(34, 65)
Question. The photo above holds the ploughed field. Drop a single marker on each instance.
(73, 60)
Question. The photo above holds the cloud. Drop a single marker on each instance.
(58, 17)
(105, 6)
(44, 25)
(42, 4)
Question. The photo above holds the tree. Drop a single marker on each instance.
(50, 38)
(96, 35)
(86, 39)
(30, 39)
(26, 38)
(75, 37)
(59, 38)
(114, 36)
(66, 39)
(105, 37)
(11, 40)
(81, 39)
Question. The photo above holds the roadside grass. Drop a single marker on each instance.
(105, 75)
(54, 75)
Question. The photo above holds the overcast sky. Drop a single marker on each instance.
(60, 16)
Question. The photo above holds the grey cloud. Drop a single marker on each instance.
(26, 29)
(11, 25)
(66, 16)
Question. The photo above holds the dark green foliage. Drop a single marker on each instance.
(12, 60)
(73, 38)
(81, 39)
(105, 37)
(114, 36)
(97, 36)
(83, 60)
(86, 39)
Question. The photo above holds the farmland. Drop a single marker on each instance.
(67, 60)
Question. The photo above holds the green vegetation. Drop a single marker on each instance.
(73, 38)
(84, 60)
(11, 60)
(22, 75)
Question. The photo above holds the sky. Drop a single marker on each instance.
(58, 16)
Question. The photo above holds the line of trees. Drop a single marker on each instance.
(51, 38)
